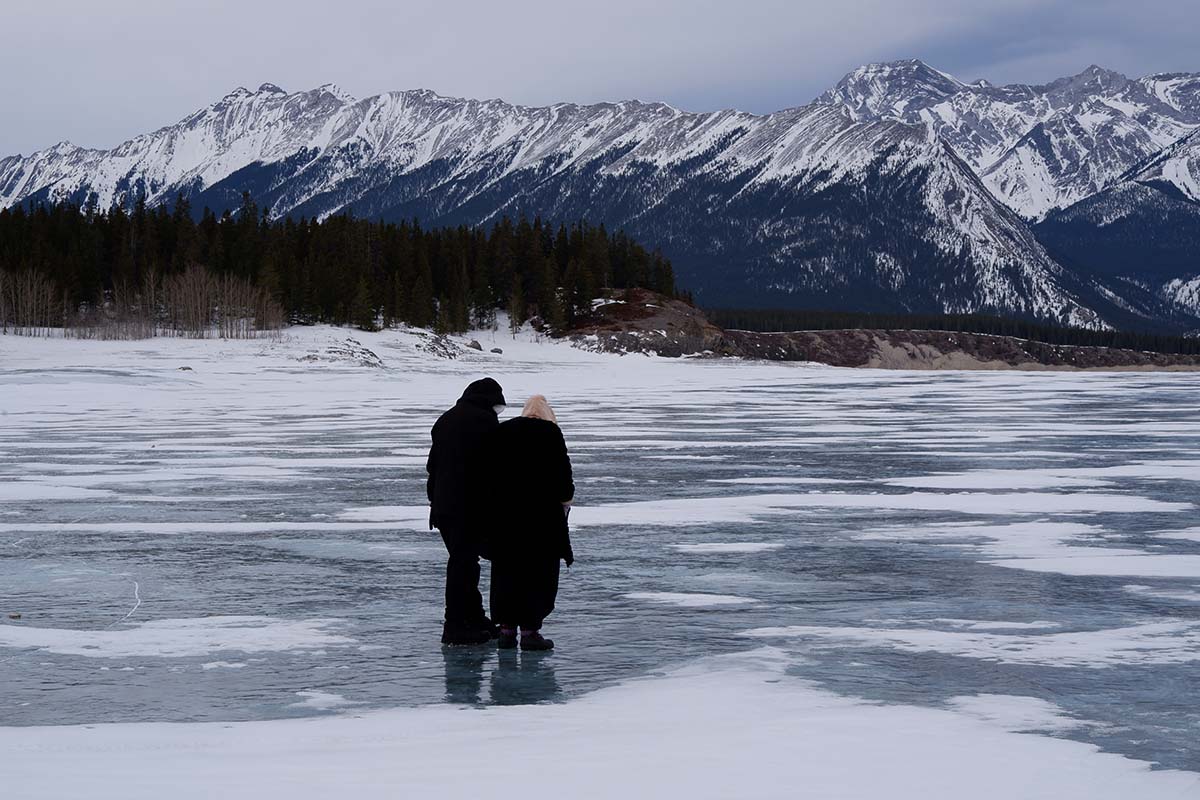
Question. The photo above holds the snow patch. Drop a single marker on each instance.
(684, 600)
(180, 638)
(1147, 643)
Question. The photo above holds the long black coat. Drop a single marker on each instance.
(455, 463)
(530, 475)
(527, 533)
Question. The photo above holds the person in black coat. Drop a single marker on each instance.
(455, 489)
(532, 493)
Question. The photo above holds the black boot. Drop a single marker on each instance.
(507, 640)
(532, 640)
(487, 626)
(460, 633)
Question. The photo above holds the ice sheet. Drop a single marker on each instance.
(176, 638)
(686, 600)
(728, 547)
(293, 491)
(737, 729)
(1148, 643)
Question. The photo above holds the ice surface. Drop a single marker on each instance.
(941, 559)
(15, 490)
(722, 728)
(1050, 547)
(321, 701)
(174, 638)
(684, 600)
(728, 547)
(1149, 643)
(1015, 714)
(1164, 594)
(1190, 534)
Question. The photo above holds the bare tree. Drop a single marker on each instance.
(194, 303)
(236, 300)
(5, 304)
(32, 303)
(268, 314)
(149, 301)
(190, 297)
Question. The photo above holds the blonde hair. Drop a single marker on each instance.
(538, 408)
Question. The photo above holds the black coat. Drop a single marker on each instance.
(530, 477)
(454, 465)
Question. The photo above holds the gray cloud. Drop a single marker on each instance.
(98, 73)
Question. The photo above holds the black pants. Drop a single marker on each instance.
(464, 603)
(524, 590)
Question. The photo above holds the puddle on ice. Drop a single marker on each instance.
(931, 541)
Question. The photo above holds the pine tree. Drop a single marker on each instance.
(516, 308)
(363, 312)
(420, 312)
(483, 305)
(339, 269)
(549, 301)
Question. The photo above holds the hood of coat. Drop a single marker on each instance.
(537, 407)
(484, 393)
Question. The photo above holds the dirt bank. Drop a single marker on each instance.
(643, 322)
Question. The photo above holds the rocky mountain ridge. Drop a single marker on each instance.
(896, 190)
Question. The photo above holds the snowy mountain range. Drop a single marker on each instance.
(902, 188)
(1037, 148)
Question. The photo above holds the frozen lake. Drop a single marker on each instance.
(246, 539)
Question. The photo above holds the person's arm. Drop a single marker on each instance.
(568, 552)
(431, 467)
(565, 481)
(566, 493)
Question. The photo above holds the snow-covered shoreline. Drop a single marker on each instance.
(890, 351)
(726, 727)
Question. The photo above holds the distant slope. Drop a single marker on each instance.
(1144, 231)
(1038, 148)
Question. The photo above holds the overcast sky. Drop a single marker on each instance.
(97, 73)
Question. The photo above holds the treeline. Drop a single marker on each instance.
(788, 320)
(338, 270)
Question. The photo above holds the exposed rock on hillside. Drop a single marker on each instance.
(643, 322)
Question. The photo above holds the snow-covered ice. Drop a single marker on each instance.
(1147, 643)
(173, 638)
(741, 728)
(789, 578)
(690, 600)
(728, 547)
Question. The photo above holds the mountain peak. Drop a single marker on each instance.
(1093, 77)
(270, 88)
(336, 91)
(888, 88)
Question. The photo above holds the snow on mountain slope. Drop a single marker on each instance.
(669, 175)
(1177, 167)
(1143, 230)
(241, 128)
(1075, 154)
(840, 204)
(1037, 148)
(1185, 293)
(891, 89)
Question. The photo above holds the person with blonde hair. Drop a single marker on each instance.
(533, 490)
